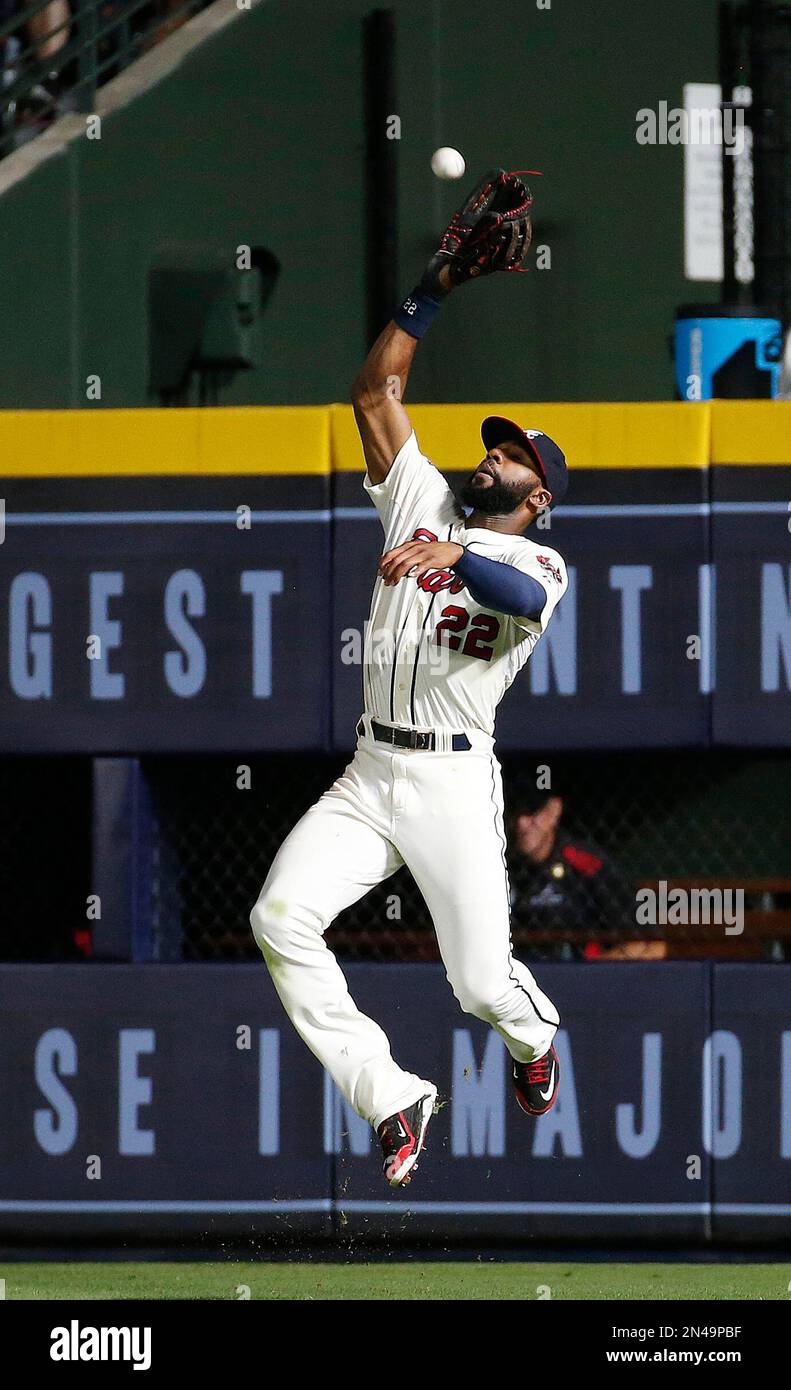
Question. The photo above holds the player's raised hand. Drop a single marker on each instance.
(492, 230)
(417, 557)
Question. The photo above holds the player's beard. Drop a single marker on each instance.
(499, 499)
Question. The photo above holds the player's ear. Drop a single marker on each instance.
(540, 498)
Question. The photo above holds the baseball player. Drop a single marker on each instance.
(424, 787)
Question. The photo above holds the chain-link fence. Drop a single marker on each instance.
(720, 821)
(607, 826)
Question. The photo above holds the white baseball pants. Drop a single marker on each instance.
(441, 814)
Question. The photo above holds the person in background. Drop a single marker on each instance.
(564, 884)
(31, 95)
(48, 29)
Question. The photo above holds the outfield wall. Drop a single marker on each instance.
(221, 561)
(257, 137)
(174, 1101)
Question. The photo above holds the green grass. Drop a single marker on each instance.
(487, 1279)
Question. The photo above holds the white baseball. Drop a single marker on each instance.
(447, 163)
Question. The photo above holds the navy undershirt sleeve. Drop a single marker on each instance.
(501, 586)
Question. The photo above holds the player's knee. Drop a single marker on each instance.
(282, 916)
(476, 1000)
(268, 920)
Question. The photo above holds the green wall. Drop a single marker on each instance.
(258, 137)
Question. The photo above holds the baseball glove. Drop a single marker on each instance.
(491, 231)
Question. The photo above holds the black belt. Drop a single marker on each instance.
(411, 738)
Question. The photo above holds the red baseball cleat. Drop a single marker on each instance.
(536, 1083)
(402, 1138)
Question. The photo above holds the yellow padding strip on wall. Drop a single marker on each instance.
(317, 439)
(751, 432)
(255, 439)
(602, 435)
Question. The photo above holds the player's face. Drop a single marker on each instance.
(502, 481)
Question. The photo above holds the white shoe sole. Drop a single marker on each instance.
(402, 1173)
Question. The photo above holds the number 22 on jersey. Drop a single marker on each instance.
(478, 633)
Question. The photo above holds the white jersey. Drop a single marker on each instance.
(434, 658)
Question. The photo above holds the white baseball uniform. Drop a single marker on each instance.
(435, 660)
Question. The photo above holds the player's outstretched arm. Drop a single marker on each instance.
(491, 231)
(377, 399)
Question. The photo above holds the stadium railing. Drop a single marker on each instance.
(56, 53)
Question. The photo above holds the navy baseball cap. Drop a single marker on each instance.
(547, 456)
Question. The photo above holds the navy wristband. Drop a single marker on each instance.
(417, 313)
